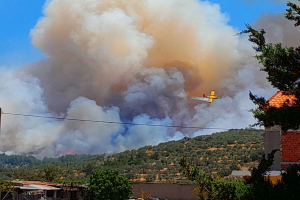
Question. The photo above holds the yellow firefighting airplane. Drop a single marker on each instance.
(211, 97)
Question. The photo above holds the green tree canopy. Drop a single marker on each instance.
(109, 185)
(283, 67)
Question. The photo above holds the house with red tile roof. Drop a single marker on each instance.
(287, 142)
(280, 98)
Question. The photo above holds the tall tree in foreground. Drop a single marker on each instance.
(283, 67)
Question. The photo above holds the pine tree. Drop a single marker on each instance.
(282, 65)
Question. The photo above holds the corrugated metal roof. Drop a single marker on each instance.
(38, 187)
(248, 173)
(240, 173)
(273, 173)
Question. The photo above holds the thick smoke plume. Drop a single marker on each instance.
(134, 61)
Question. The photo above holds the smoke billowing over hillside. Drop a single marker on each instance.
(129, 61)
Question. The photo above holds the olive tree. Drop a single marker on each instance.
(109, 185)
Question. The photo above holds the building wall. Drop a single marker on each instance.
(288, 143)
(272, 139)
(290, 148)
(165, 190)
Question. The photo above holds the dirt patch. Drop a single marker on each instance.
(149, 152)
(214, 148)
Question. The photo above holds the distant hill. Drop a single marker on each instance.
(218, 154)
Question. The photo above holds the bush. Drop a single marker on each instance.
(109, 185)
(258, 187)
(214, 189)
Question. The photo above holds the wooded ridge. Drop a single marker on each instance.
(218, 154)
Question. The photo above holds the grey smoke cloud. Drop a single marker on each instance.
(293, 1)
(253, 2)
(129, 61)
(278, 29)
(159, 94)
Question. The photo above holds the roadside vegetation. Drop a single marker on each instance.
(257, 187)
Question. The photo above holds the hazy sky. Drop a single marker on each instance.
(18, 17)
(139, 61)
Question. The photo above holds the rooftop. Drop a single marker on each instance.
(281, 97)
(38, 187)
(240, 173)
(248, 173)
(17, 182)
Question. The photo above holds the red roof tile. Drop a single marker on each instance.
(278, 99)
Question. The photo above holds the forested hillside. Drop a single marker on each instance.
(218, 154)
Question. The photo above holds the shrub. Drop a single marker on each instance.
(109, 185)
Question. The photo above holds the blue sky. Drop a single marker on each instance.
(18, 17)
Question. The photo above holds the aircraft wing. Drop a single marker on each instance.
(201, 99)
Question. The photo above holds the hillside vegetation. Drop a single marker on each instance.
(218, 154)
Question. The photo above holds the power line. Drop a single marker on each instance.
(112, 122)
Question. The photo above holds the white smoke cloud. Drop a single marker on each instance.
(21, 93)
(128, 62)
